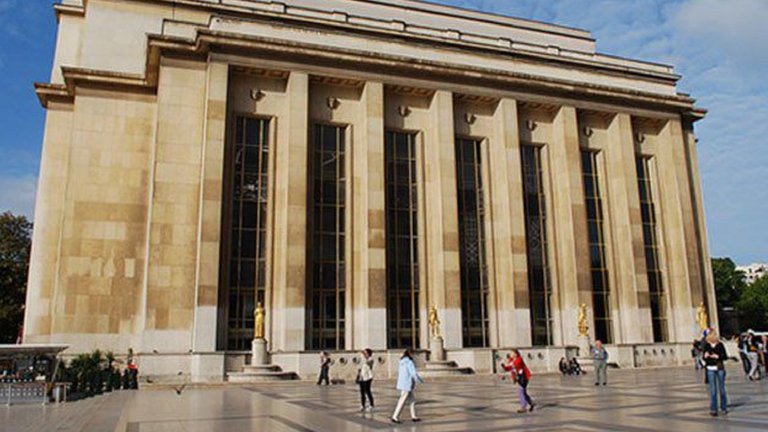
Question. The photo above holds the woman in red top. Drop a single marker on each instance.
(522, 375)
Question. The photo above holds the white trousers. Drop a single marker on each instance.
(753, 359)
(405, 397)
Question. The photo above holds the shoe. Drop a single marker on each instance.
(394, 420)
(605, 384)
(725, 412)
(530, 408)
(416, 420)
(597, 384)
(369, 409)
(522, 410)
(713, 413)
(363, 409)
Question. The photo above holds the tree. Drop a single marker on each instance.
(753, 305)
(15, 242)
(729, 282)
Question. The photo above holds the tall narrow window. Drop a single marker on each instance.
(536, 245)
(474, 269)
(402, 236)
(247, 213)
(601, 294)
(327, 284)
(655, 284)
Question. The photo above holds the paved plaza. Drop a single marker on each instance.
(637, 400)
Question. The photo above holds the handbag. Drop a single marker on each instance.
(358, 378)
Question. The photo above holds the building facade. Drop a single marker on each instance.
(350, 164)
(753, 272)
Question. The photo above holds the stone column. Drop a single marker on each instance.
(701, 241)
(441, 208)
(290, 214)
(622, 201)
(508, 231)
(677, 229)
(209, 228)
(369, 243)
(569, 219)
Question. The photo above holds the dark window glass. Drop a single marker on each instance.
(474, 278)
(601, 294)
(655, 285)
(246, 202)
(326, 280)
(402, 240)
(536, 246)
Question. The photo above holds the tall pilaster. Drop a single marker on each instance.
(508, 228)
(571, 247)
(677, 230)
(209, 227)
(625, 224)
(369, 243)
(441, 208)
(290, 236)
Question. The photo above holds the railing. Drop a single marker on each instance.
(24, 392)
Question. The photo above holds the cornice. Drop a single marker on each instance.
(65, 9)
(212, 41)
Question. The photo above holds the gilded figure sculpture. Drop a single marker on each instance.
(702, 317)
(258, 314)
(434, 322)
(582, 320)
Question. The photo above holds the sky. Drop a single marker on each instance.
(719, 46)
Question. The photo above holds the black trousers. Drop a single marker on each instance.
(323, 376)
(365, 390)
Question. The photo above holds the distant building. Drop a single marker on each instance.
(753, 272)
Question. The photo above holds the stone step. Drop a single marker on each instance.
(261, 376)
(440, 364)
(449, 371)
(261, 368)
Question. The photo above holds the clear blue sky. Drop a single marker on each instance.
(719, 46)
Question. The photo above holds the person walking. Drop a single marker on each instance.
(520, 374)
(752, 355)
(600, 358)
(365, 379)
(325, 365)
(407, 376)
(714, 360)
(743, 344)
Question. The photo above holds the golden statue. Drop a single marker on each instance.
(701, 317)
(258, 328)
(434, 322)
(582, 320)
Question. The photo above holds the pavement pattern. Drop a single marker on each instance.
(668, 399)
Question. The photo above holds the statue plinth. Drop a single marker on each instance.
(583, 342)
(259, 354)
(437, 349)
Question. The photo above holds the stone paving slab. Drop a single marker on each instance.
(650, 400)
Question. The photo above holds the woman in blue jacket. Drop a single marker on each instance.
(406, 383)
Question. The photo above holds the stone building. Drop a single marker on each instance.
(349, 164)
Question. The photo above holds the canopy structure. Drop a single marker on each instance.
(10, 350)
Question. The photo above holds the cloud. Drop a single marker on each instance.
(17, 194)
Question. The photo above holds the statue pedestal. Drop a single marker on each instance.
(437, 349)
(584, 346)
(259, 354)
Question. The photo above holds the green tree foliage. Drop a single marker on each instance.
(729, 282)
(753, 305)
(15, 241)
